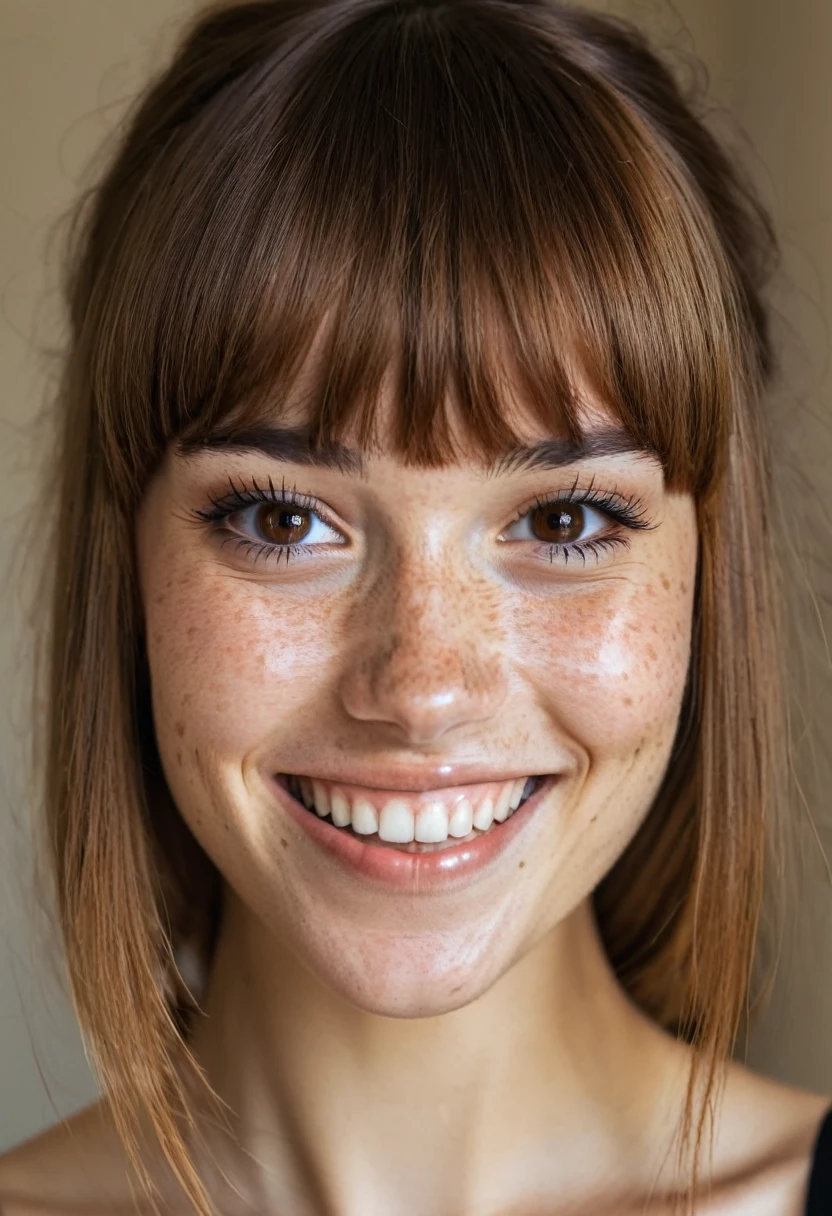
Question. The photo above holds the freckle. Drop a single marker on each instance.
(178, 756)
(160, 599)
(637, 752)
(651, 653)
(684, 588)
(180, 729)
(665, 582)
(593, 819)
(520, 867)
(285, 843)
(191, 630)
(628, 700)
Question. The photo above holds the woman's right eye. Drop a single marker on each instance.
(264, 522)
(282, 525)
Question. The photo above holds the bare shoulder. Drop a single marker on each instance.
(764, 1144)
(763, 1147)
(76, 1168)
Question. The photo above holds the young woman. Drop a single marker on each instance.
(416, 728)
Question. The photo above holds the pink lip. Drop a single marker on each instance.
(414, 872)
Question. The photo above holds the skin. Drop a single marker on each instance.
(471, 1051)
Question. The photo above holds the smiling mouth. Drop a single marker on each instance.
(413, 823)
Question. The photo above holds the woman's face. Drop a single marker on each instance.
(433, 639)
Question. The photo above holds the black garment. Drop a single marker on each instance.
(819, 1201)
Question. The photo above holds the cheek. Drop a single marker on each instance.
(229, 660)
(612, 662)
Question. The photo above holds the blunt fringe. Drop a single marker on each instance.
(427, 189)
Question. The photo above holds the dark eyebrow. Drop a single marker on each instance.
(291, 444)
(287, 443)
(555, 453)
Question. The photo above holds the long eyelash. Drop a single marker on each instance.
(581, 549)
(626, 509)
(240, 496)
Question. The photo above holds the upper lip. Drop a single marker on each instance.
(417, 780)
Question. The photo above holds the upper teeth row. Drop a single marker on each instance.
(396, 822)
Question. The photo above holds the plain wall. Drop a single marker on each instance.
(66, 70)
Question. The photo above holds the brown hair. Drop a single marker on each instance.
(408, 178)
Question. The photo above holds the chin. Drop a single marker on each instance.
(409, 976)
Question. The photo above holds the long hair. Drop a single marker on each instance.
(410, 180)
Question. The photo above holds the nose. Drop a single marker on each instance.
(427, 658)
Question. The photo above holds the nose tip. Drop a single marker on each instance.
(422, 689)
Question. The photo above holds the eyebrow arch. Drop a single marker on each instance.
(286, 443)
(291, 444)
(556, 453)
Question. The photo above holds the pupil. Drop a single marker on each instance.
(559, 524)
(283, 525)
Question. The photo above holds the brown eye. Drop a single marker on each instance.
(559, 523)
(283, 525)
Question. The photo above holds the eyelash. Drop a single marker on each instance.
(242, 496)
(626, 511)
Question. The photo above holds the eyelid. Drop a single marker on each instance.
(624, 513)
(244, 496)
(602, 528)
(306, 543)
(627, 510)
(248, 496)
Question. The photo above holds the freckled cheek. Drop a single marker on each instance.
(230, 661)
(612, 671)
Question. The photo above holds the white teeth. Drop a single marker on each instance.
(501, 810)
(395, 823)
(462, 819)
(321, 799)
(340, 810)
(432, 824)
(484, 815)
(364, 817)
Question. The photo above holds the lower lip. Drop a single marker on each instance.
(415, 872)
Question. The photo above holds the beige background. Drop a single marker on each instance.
(66, 69)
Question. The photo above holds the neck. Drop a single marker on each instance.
(551, 1076)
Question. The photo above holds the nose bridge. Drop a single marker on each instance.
(428, 656)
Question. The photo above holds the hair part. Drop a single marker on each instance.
(458, 196)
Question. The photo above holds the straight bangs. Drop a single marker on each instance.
(426, 192)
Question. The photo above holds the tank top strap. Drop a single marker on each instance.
(819, 1196)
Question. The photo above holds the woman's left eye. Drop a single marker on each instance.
(559, 523)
